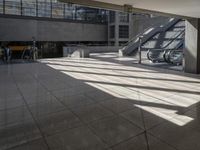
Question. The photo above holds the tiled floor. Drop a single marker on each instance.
(100, 103)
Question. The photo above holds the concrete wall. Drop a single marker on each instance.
(192, 46)
(142, 22)
(91, 49)
(17, 29)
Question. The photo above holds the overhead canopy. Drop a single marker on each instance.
(182, 8)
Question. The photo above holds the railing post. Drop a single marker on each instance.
(140, 50)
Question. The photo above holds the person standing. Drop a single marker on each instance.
(4, 54)
(34, 49)
(1, 53)
(8, 50)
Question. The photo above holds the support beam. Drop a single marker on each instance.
(192, 46)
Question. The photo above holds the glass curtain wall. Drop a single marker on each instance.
(13, 7)
(57, 9)
(29, 8)
(70, 11)
(44, 8)
(123, 17)
(53, 9)
(1, 6)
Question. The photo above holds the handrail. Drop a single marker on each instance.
(146, 36)
(135, 38)
(176, 37)
(164, 48)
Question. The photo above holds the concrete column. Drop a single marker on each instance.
(192, 46)
(117, 28)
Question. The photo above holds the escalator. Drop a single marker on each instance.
(131, 47)
(168, 51)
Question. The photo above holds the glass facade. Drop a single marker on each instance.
(53, 9)
(69, 11)
(123, 17)
(13, 7)
(112, 17)
(29, 7)
(57, 10)
(112, 32)
(1, 6)
(44, 8)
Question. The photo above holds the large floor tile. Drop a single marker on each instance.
(156, 144)
(99, 96)
(8, 103)
(92, 112)
(58, 122)
(118, 105)
(115, 130)
(15, 135)
(135, 143)
(77, 101)
(34, 99)
(46, 108)
(33, 145)
(14, 116)
(76, 139)
(184, 136)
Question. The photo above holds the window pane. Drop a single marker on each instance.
(112, 16)
(91, 14)
(80, 13)
(123, 31)
(112, 32)
(44, 8)
(123, 17)
(70, 11)
(29, 7)
(1, 6)
(57, 10)
(13, 7)
(102, 16)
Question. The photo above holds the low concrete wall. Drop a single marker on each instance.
(92, 49)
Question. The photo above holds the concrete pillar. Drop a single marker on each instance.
(117, 28)
(192, 46)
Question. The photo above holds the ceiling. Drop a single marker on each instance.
(188, 8)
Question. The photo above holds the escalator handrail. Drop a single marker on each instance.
(164, 48)
(178, 50)
(158, 29)
(174, 39)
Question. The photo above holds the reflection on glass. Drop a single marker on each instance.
(1, 6)
(123, 17)
(57, 10)
(13, 7)
(53, 9)
(44, 8)
(29, 7)
(69, 11)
